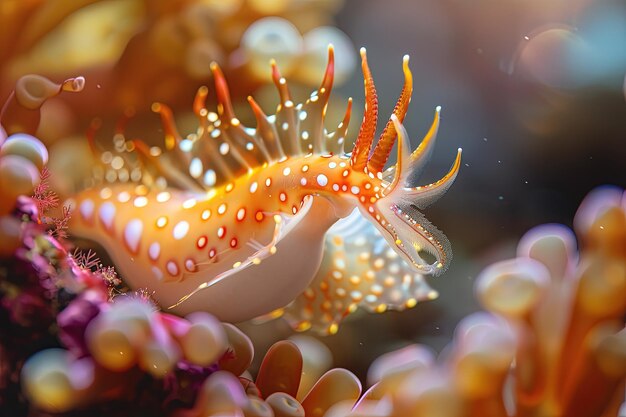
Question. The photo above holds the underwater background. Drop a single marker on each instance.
(533, 91)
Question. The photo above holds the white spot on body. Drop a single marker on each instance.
(190, 265)
(140, 201)
(107, 214)
(132, 234)
(196, 168)
(187, 204)
(224, 148)
(253, 187)
(322, 180)
(172, 268)
(123, 197)
(185, 145)
(154, 251)
(163, 197)
(106, 193)
(158, 274)
(180, 230)
(210, 178)
(86, 209)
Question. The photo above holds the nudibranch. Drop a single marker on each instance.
(232, 219)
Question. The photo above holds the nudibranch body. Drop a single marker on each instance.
(232, 220)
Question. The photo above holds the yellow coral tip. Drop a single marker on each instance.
(362, 51)
(438, 109)
(156, 107)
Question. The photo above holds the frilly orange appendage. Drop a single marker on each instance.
(225, 106)
(363, 142)
(172, 137)
(388, 137)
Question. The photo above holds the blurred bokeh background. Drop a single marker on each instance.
(534, 91)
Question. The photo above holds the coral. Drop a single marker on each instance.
(179, 39)
(276, 390)
(552, 344)
(114, 345)
(22, 156)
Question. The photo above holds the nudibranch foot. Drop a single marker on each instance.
(231, 219)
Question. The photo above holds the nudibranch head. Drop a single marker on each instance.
(241, 212)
